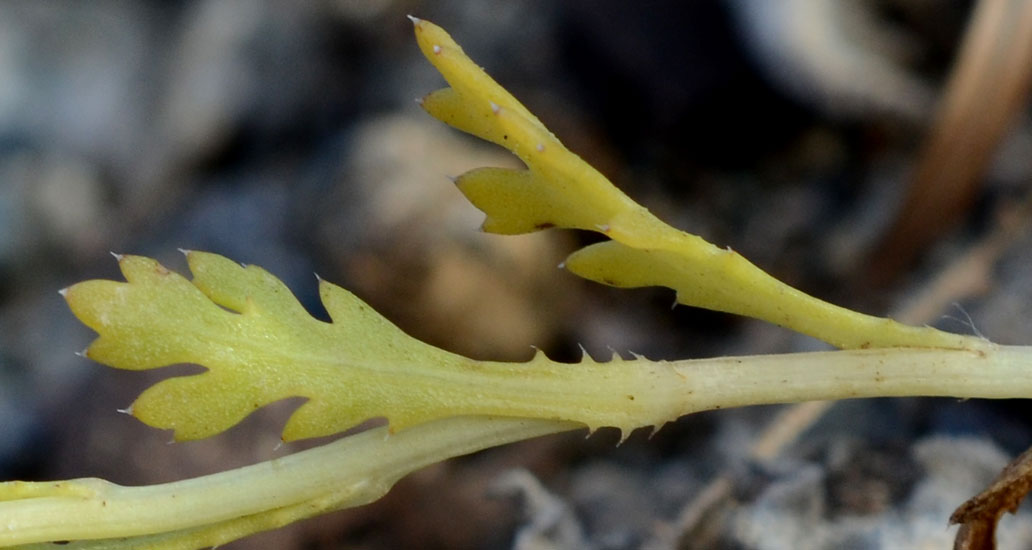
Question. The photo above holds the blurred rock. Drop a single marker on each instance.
(1002, 313)
(248, 66)
(73, 76)
(837, 55)
(551, 525)
(646, 497)
(794, 511)
(51, 202)
(244, 79)
(21, 420)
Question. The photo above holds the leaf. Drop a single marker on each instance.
(559, 189)
(258, 342)
(717, 280)
(260, 345)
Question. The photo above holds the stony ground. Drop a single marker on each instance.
(284, 134)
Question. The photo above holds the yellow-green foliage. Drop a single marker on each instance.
(559, 189)
(260, 345)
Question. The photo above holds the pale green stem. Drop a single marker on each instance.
(993, 372)
(359, 469)
(353, 471)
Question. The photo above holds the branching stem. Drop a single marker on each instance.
(359, 469)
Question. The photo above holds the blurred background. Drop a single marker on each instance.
(875, 153)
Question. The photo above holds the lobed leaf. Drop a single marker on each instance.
(260, 345)
(559, 189)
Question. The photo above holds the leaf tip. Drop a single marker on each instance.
(415, 20)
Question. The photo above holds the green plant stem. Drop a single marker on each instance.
(361, 468)
(992, 372)
(202, 511)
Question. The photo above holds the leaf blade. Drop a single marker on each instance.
(258, 342)
(559, 189)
